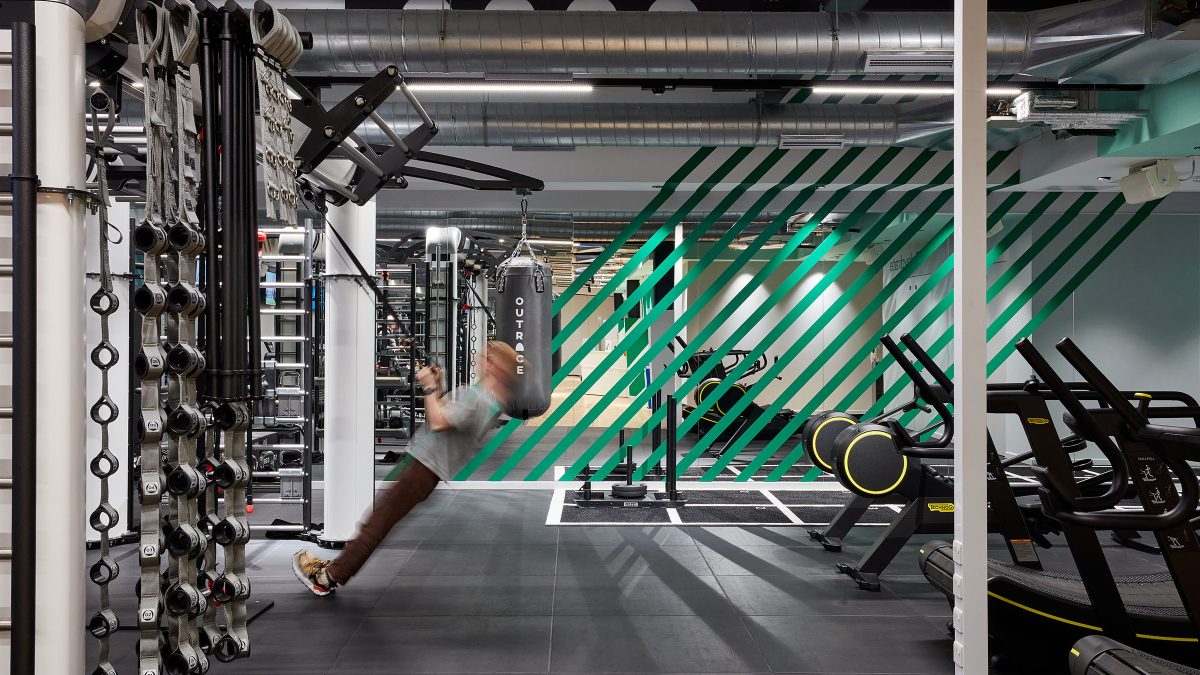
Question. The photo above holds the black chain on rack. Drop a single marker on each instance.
(104, 411)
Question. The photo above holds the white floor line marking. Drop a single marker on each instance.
(673, 514)
(779, 505)
(554, 515)
(894, 507)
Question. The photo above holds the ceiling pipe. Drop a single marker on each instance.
(665, 124)
(550, 125)
(1048, 43)
(581, 226)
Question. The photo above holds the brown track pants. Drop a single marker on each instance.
(414, 484)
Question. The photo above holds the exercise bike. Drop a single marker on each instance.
(878, 461)
(818, 434)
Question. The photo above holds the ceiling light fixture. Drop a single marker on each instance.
(867, 90)
(551, 242)
(494, 87)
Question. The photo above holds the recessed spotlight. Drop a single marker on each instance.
(1104, 179)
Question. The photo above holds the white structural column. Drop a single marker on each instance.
(61, 353)
(349, 373)
(118, 376)
(970, 339)
(681, 306)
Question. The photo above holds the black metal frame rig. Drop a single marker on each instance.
(333, 134)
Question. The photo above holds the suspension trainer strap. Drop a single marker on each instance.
(277, 50)
(365, 277)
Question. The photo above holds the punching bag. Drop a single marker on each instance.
(524, 308)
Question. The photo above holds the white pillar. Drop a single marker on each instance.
(118, 375)
(970, 339)
(61, 353)
(349, 373)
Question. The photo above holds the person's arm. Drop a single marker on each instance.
(435, 406)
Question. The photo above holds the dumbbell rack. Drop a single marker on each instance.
(284, 434)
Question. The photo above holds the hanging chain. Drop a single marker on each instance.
(522, 243)
(104, 411)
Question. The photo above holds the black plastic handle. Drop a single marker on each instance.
(1090, 430)
(927, 394)
(926, 360)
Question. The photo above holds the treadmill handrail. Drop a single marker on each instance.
(1090, 429)
(1155, 439)
(926, 360)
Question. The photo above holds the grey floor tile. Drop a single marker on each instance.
(467, 596)
(481, 644)
(675, 595)
(728, 559)
(791, 595)
(655, 536)
(851, 644)
(626, 559)
(504, 559)
(274, 560)
(525, 533)
(654, 644)
(751, 536)
(918, 593)
(292, 600)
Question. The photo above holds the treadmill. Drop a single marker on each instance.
(1038, 616)
(1098, 655)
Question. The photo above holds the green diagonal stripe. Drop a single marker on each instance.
(777, 259)
(876, 268)
(761, 347)
(803, 305)
(1075, 281)
(668, 188)
(635, 298)
(646, 250)
(609, 251)
(630, 337)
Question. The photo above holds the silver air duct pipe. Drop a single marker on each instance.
(581, 226)
(663, 124)
(1047, 43)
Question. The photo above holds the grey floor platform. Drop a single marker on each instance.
(475, 582)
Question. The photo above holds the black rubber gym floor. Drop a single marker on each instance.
(475, 582)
